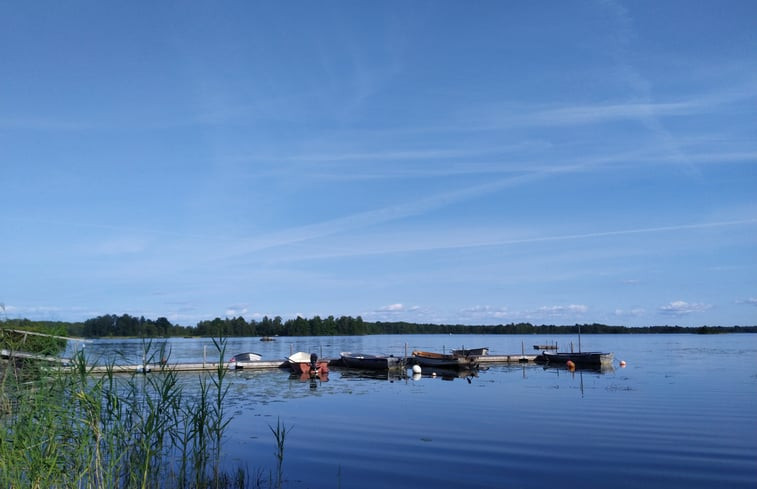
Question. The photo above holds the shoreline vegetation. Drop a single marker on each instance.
(115, 326)
(74, 429)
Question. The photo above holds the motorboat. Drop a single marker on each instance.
(307, 363)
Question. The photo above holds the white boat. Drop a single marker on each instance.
(240, 359)
(304, 363)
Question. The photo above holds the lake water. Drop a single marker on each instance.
(682, 413)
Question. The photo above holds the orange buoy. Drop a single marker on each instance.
(622, 363)
(570, 364)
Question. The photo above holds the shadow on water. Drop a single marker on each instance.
(391, 375)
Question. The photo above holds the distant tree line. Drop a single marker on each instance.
(111, 325)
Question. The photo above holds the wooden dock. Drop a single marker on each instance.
(7, 354)
(190, 367)
(484, 360)
(494, 359)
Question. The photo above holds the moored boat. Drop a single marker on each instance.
(246, 357)
(240, 360)
(369, 362)
(471, 352)
(307, 363)
(442, 360)
(579, 359)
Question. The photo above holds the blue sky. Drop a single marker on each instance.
(448, 162)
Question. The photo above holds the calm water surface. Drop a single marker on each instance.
(682, 413)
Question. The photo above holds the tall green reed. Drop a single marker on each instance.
(64, 428)
(279, 433)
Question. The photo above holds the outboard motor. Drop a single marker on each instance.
(313, 364)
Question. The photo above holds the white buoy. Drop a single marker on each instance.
(416, 369)
(417, 376)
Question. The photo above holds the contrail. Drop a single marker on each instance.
(601, 234)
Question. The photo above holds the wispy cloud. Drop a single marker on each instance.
(488, 314)
(636, 312)
(683, 308)
(471, 239)
(395, 312)
(120, 246)
(377, 216)
(392, 308)
(397, 308)
(483, 312)
(236, 310)
(601, 113)
(560, 311)
(43, 124)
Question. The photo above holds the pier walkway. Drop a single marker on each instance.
(484, 360)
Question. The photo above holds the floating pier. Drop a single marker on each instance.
(213, 366)
(8, 354)
(494, 359)
(276, 364)
(189, 367)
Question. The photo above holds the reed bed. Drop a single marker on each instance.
(70, 428)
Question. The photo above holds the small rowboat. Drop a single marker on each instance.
(240, 359)
(441, 360)
(471, 352)
(369, 362)
(580, 359)
(246, 357)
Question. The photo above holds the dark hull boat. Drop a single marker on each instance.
(441, 360)
(580, 359)
(369, 362)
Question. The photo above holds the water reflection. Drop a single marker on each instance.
(603, 369)
(448, 374)
(310, 377)
(390, 375)
(511, 430)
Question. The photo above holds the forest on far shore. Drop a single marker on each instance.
(111, 325)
